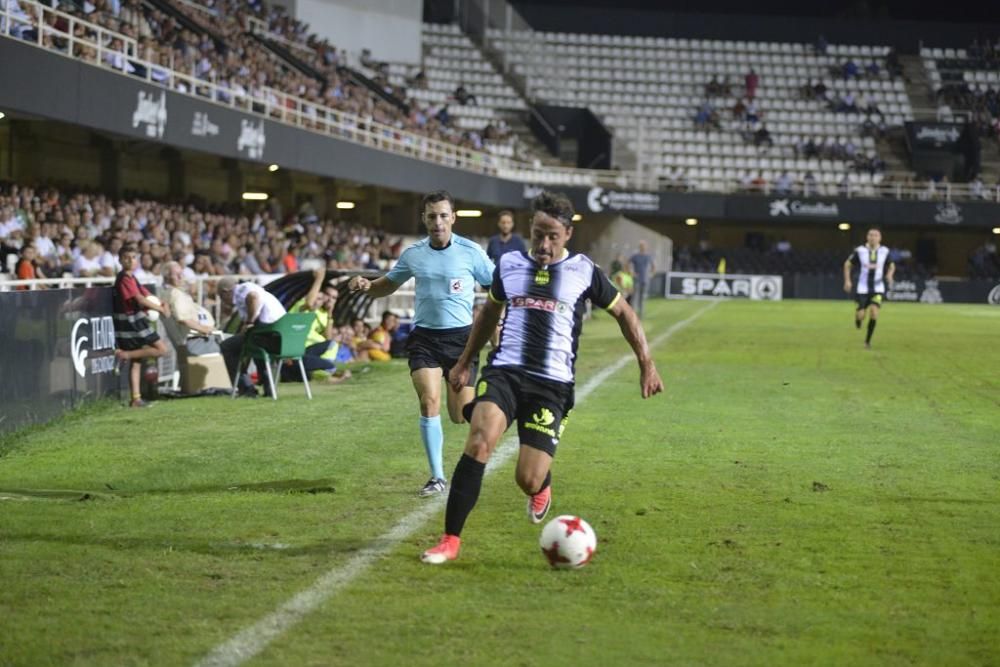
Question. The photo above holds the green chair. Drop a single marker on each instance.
(275, 342)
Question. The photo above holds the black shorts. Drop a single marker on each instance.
(865, 300)
(541, 407)
(439, 348)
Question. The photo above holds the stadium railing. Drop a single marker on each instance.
(36, 24)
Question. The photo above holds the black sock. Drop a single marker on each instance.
(858, 321)
(466, 482)
(545, 483)
(871, 330)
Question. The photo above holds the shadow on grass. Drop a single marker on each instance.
(311, 486)
(344, 546)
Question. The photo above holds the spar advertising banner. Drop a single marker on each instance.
(719, 286)
(57, 348)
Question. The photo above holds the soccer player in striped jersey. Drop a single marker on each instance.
(530, 375)
(875, 273)
(446, 267)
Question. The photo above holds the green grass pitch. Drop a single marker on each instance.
(790, 499)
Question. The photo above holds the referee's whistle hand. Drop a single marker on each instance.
(359, 283)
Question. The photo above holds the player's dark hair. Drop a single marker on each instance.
(434, 198)
(128, 247)
(555, 205)
(506, 212)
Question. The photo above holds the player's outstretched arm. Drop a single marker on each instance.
(483, 328)
(847, 277)
(649, 379)
(376, 288)
(890, 274)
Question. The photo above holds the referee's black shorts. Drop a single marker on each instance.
(438, 348)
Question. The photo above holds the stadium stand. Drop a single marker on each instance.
(63, 225)
(967, 81)
(672, 101)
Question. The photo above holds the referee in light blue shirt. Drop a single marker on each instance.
(446, 268)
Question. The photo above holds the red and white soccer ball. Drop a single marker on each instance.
(568, 542)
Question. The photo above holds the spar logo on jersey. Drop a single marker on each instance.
(537, 303)
(102, 337)
(151, 112)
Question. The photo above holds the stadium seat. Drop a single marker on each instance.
(277, 342)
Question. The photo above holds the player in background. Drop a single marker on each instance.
(446, 267)
(875, 274)
(530, 375)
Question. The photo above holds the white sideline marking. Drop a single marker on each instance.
(253, 639)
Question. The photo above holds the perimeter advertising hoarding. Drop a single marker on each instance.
(57, 348)
(721, 286)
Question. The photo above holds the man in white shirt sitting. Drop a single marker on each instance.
(195, 324)
(255, 305)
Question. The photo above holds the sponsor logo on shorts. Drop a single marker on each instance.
(541, 421)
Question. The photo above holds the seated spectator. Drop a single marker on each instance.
(254, 305)
(759, 183)
(87, 264)
(322, 343)
(850, 69)
(194, 326)
(379, 342)
(464, 97)
(873, 70)
(783, 185)
(712, 88)
(810, 186)
(762, 137)
(821, 46)
(739, 111)
(27, 266)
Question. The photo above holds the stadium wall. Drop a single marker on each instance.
(56, 350)
(905, 35)
(391, 29)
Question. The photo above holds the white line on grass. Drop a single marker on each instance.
(253, 639)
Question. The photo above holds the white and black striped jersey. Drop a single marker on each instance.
(871, 265)
(545, 307)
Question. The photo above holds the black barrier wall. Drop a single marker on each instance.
(56, 350)
(73, 92)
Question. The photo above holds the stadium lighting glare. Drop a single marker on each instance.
(345, 205)
(255, 196)
(469, 213)
(577, 217)
(273, 168)
(996, 230)
(2, 115)
(691, 222)
(844, 226)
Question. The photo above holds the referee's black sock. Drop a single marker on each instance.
(871, 329)
(466, 482)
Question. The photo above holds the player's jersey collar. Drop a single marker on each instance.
(565, 254)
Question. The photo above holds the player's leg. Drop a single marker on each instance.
(873, 312)
(540, 425)
(427, 384)
(457, 400)
(487, 426)
(860, 303)
(534, 476)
